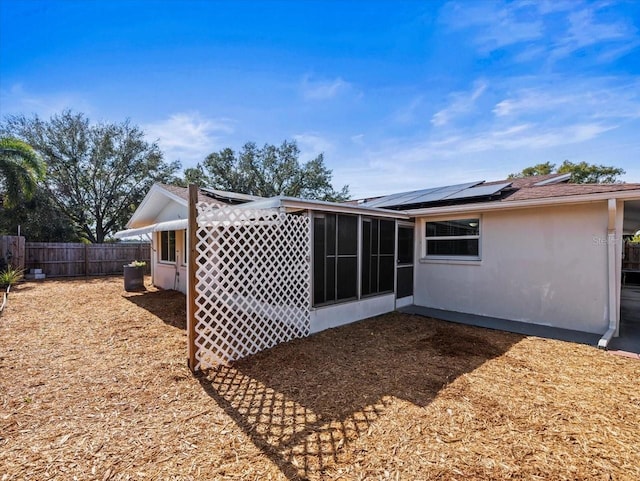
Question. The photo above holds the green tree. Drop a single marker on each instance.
(584, 173)
(538, 169)
(39, 219)
(20, 171)
(581, 173)
(268, 171)
(96, 173)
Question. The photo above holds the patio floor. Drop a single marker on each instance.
(629, 339)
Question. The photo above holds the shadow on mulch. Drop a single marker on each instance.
(170, 306)
(303, 402)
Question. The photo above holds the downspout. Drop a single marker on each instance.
(611, 265)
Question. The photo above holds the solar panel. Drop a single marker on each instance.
(443, 192)
(419, 196)
(479, 191)
(400, 198)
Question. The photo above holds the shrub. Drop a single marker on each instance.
(10, 276)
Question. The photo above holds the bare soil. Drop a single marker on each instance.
(94, 386)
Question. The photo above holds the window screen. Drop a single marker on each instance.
(335, 258)
(453, 238)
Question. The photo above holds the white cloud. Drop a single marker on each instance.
(324, 89)
(461, 103)
(188, 137)
(551, 29)
(592, 98)
(18, 100)
(496, 27)
(586, 30)
(407, 114)
(311, 145)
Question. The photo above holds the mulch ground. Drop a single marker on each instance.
(94, 386)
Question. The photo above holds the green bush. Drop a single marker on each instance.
(10, 276)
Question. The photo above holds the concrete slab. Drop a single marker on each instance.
(629, 339)
(506, 325)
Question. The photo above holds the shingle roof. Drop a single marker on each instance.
(183, 193)
(563, 190)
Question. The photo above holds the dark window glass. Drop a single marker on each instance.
(405, 245)
(319, 259)
(330, 237)
(387, 236)
(347, 277)
(168, 246)
(378, 256)
(366, 257)
(453, 247)
(453, 228)
(335, 260)
(387, 266)
(405, 282)
(347, 235)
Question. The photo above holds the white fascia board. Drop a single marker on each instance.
(294, 203)
(134, 232)
(524, 204)
(319, 205)
(180, 224)
(156, 189)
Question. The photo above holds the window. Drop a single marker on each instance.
(168, 246)
(378, 253)
(453, 238)
(185, 247)
(335, 258)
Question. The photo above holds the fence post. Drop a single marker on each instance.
(86, 260)
(192, 265)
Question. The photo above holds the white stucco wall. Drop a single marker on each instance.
(539, 265)
(164, 273)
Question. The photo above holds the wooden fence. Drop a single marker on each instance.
(12, 251)
(73, 260)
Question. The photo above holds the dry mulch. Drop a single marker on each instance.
(94, 385)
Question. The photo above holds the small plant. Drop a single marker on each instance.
(138, 264)
(10, 276)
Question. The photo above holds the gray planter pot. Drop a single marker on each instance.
(133, 278)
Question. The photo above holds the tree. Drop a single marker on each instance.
(268, 171)
(96, 173)
(538, 169)
(39, 219)
(581, 173)
(20, 170)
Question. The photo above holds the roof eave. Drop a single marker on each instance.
(526, 203)
(155, 188)
(294, 203)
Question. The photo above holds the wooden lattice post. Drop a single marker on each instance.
(192, 265)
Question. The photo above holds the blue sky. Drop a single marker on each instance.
(398, 95)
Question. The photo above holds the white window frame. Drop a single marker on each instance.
(452, 257)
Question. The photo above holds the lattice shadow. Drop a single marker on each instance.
(304, 403)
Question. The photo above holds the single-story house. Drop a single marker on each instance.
(537, 250)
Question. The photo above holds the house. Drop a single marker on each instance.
(162, 218)
(537, 250)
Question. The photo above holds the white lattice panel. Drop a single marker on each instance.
(253, 282)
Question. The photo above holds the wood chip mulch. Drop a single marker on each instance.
(94, 386)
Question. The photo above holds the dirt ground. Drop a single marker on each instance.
(94, 386)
